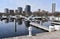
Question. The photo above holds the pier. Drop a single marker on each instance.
(58, 23)
(39, 26)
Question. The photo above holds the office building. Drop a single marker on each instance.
(27, 9)
(11, 11)
(38, 10)
(6, 10)
(53, 7)
(20, 10)
(16, 11)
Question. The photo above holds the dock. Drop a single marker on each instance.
(39, 26)
(45, 35)
(56, 23)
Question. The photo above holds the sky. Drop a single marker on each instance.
(35, 4)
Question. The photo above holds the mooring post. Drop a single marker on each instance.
(51, 28)
(30, 31)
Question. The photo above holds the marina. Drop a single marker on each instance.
(29, 19)
(35, 24)
(10, 28)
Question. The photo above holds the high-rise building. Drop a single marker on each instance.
(27, 8)
(6, 10)
(20, 10)
(53, 7)
(38, 10)
(11, 11)
(16, 11)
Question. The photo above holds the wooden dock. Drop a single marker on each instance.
(46, 35)
(39, 26)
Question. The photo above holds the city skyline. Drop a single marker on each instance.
(35, 4)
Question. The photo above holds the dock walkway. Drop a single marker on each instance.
(56, 23)
(39, 26)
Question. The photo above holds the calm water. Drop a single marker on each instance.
(7, 28)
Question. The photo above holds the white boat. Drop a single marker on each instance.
(56, 25)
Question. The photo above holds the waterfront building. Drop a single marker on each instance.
(28, 10)
(16, 11)
(6, 10)
(20, 9)
(39, 10)
(11, 11)
(53, 7)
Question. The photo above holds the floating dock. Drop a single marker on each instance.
(56, 23)
(39, 26)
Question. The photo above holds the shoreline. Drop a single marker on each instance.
(46, 35)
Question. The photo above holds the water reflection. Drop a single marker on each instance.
(7, 21)
(15, 25)
(11, 20)
(9, 29)
(19, 21)
(27, 23)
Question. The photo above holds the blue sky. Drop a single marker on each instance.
(35, 4)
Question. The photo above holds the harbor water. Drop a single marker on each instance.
(8, 28)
